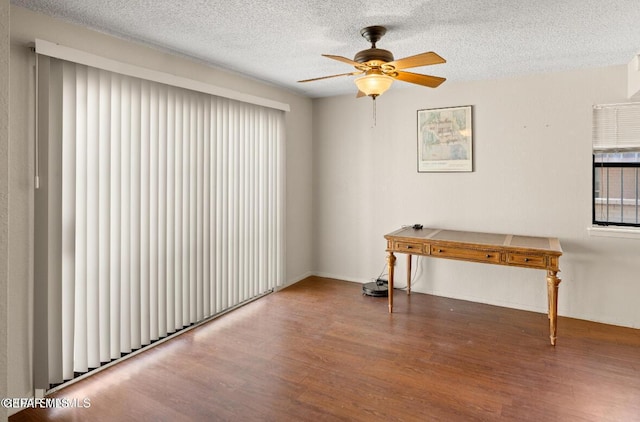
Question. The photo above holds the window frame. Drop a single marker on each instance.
(621, 164)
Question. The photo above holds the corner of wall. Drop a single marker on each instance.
(633, 78)
(4, 190)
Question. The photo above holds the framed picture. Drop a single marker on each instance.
(445, 140)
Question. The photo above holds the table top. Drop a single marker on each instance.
(546, 244)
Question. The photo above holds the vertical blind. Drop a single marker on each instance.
(171, 210)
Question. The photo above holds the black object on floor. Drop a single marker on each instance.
(378, 288)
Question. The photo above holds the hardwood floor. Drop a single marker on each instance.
(321, 351)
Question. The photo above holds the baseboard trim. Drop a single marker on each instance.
(343, 278)
(294, 280)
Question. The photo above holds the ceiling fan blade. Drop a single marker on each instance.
(360, 94)
(423, 59)
(332, 76)
(415, 78)
(343, 59)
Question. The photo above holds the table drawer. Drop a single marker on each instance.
(408, 247)
(536, 261)
(466, 254)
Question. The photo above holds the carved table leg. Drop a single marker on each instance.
(552, 287)
(408, 274)
(391, 262)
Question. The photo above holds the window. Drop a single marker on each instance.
(158, 207)
(616, 188)
(616, 165)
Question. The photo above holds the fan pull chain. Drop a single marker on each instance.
(374, 111)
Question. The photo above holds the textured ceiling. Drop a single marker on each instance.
(281, 41)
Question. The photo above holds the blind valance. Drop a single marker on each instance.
(82, 57)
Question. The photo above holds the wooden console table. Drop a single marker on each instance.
(518, 251)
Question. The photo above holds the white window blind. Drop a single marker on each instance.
(164, 206)
(616, 127)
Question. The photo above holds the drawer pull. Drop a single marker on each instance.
(409, 247)
(530, 261)
(488, 256)
(439, 250)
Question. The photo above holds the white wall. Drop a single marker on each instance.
(532, 176)
(25, 27)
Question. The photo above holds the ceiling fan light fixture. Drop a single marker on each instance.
(374, 84)
(380, 68)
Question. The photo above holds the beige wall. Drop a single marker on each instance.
(4, 199)
(532, 154)
(25, 27)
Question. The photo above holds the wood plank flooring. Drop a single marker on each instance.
(320, 351)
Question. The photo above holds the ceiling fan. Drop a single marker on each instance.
(380, 69)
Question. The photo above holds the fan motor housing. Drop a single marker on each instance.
(369, 54)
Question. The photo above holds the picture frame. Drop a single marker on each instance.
(445, 139)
